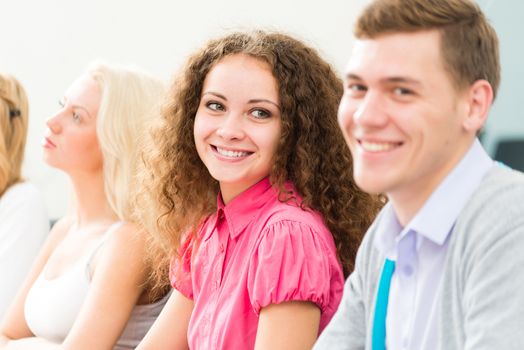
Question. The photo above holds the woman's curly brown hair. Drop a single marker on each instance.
(312, 153)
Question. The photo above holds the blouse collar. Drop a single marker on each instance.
(242, 209)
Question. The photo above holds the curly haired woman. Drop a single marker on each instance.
(254, 197)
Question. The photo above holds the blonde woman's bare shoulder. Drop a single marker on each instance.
(128, 238)
(59, 231)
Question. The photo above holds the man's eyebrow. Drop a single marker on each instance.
(402, 79)
(353, 76)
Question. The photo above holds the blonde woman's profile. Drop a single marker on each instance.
(88, 288)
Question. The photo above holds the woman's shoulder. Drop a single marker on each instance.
(293, 212)
(58, 232)
(22, 210)
(23, 193)
(126, 239)
(127, 233)
(61, 227)
(23, 187)
(122, 247)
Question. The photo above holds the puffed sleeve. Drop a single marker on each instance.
(292, 262)
(180, 269)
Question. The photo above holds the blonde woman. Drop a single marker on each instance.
(23, 218)
(88, 288)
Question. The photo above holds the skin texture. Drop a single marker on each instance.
(118, 276)
(406, 123)
(70, 142)
(238, 112)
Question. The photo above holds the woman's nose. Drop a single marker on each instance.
(53, 123)
(231, 127)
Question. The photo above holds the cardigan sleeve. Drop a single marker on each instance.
(348, 330)
(493, 287)
(483, 289)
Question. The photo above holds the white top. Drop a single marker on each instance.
(420, 250)
(23, 228)
(51, 306)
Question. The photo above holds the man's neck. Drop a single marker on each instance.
(410, 198)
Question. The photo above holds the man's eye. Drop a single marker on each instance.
(357, 87)
(402, 91)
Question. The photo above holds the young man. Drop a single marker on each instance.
(442, 267)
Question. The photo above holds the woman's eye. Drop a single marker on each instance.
(260, 114)
(77, 118)
(215, 106)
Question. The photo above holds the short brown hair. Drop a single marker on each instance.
(470, 48)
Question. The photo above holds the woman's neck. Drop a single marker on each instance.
(92, 207)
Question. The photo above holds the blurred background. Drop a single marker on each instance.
(47, 44)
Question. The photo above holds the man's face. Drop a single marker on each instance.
(402, 116)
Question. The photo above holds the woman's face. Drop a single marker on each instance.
(238, 123)
(70, 142)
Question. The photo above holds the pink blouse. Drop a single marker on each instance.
(254, 252)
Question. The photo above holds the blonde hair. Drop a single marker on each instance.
(13, 134)
(129, 99)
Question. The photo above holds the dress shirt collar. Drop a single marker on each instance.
(437, 216)
(241, 210)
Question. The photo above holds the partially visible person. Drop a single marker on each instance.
(88, 288)
(442, 265)
(23, 216)
(249, 161)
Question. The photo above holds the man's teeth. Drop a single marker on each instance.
(377, 146)
(233, 154)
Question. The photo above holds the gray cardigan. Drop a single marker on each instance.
(482, 297)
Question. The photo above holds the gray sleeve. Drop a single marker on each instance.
(493, 298)
(485, 294)
(347, 329)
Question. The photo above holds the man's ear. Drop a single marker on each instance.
(479, 99)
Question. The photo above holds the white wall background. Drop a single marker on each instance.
(47, 44)
(507, 116)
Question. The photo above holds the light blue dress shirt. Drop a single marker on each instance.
(419, 251)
